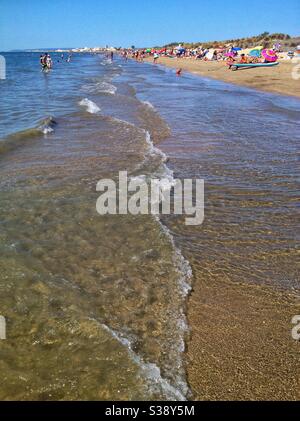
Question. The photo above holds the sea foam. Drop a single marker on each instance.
(90, 106)
(150, 371)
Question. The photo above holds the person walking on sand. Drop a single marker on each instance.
(155, 58)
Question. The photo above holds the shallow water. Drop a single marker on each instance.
(87, 298)
(244, 144)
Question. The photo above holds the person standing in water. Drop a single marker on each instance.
(46, 62)
(49, 61)
(43, 61)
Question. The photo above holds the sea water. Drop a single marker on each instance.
(95, 306)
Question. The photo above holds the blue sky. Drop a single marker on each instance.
(72, 23)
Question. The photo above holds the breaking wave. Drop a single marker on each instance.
(14, 140)
(106, 88)
(150, 371)
(90, 106)
(149, 105)
(100, 87)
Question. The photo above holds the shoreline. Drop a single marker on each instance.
(276, 79)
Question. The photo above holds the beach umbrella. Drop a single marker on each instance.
(236, 49)
(269, 55)
(148, 50)
(254, 53)
(229, 54)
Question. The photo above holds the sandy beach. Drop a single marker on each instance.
(275, 79)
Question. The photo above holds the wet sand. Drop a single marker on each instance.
(273, 79)
(241, 346)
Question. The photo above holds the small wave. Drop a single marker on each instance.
(153, 150)
(149, 105)
(182, 265)
(90, 106)
(100, 87)
(106, 88)
(106, 62)
(166, 180)
(46, 125)
(150, 371)
(17, 139)
(184, 272)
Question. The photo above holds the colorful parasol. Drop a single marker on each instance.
(229, 54)
(254, 53)
(269, 55)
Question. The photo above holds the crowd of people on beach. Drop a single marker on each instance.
(229, 54)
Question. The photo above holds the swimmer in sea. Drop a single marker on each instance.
(43, 62)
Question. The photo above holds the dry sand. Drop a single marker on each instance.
(273, 79)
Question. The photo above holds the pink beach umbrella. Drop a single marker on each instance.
(229, 54)
(269, 55)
